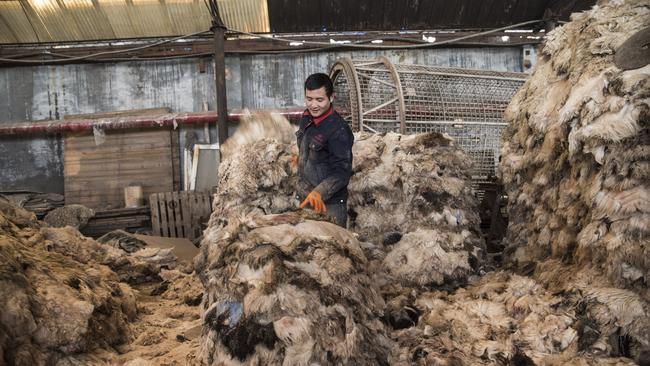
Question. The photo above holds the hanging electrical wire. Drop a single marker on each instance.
(213, 9)
(104, 53)
(423, 45)
(214, 13)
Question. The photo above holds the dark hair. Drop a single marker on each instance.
(319, 80)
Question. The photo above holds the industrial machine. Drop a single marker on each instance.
(468, 105)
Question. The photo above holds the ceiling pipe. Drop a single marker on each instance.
(116, 123)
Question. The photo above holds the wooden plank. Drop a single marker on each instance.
(122, 212)
(113, 188)
(176, 160)
(208, 205)
(178, 218)
(135, 156)
(187, 215)
(149, 137)
(128, 216)
(88, 142)
(137, 219)
(130, 112)
(144, 142)
(96, 175)
(131, 167)
(127, 178)
(134, 218)
(117, 147)
(164, 221)
(155, 214)
(200, 212)
(171, 218)
(194, 206)
(170, 214)
(115, 195)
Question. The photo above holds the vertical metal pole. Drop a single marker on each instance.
(219, 30)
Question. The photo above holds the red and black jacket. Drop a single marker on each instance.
(325, 151)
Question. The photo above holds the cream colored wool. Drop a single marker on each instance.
(282, 290)
(411, 195)
(54, 305)
(576, 167)
(255, 174)
(510, 319)
(400, 184)
(406, 182)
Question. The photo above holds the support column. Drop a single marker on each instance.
(219, 30)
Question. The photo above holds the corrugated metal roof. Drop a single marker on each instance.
(27, 21)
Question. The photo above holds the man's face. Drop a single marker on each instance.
(317, 101)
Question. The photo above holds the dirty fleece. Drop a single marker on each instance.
(54, 305)
(576, 167)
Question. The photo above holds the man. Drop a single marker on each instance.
(324, 152)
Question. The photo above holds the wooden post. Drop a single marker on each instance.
(219, 30)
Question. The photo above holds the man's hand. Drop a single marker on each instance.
(316, 201)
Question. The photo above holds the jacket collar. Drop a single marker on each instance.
(318, 120)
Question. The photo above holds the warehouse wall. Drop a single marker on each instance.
(253, 81)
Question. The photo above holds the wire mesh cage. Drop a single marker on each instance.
(468, 105)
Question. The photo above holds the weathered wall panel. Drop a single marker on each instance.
(96, 176)
(254, 81)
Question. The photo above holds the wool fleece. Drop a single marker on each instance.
(576, 167)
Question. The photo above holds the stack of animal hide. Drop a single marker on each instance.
(38, 203)
(122, 240)
(576, 166)
(402, 183)
(506, 319)
(76, 216)
(412, 194)
(53, 304)
(141, 266)
(409, 194)
(255, 174)
(282, 290)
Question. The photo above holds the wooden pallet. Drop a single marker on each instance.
(179, 214)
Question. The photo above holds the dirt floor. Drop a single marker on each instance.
(168, 327)
(166, 333)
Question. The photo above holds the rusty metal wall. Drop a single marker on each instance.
(253, 81)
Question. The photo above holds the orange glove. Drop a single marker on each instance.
(294, 160)
(316, 201)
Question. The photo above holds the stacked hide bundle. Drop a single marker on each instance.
(141, 266)
(576, 166)
(122, 240)
(76, 216)
(414, 191)
(255, 173)
(402, 183)
(52, 304)
(410, 202)
(282, 290)
(503, 319)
